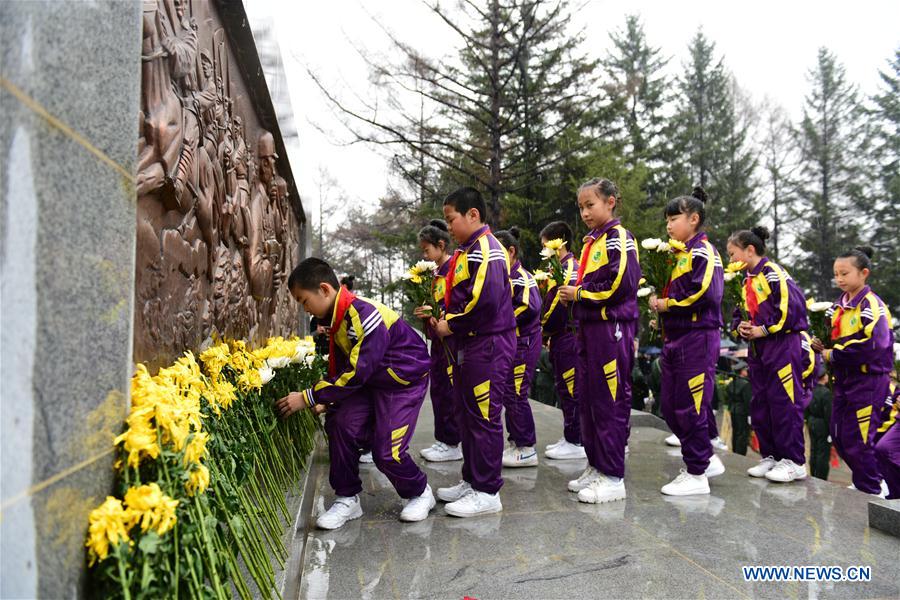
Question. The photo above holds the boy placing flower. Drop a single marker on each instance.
(377, 372)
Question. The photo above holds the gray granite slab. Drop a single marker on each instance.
(545, 544)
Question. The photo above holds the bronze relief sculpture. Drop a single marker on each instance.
(217, 228)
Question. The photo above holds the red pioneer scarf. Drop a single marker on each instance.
(344, 300)
(451, 272)
(836, 323)
(752, 300)
(585, 252)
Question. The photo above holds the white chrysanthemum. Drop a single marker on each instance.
(540, 275)
(424, 266)
(278, 362)
(644, 292)
(663, 247)
(819, 306)
(730, 276)
(547, 253)
(651, 243)
(266, 374)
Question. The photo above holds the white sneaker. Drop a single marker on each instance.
(715, 467)
(344, 509)
(417, 508)
(603, 489)
(763, 467)
(718, 443)
(627, 450)
(884, 490)
(851, 487)
(673, 440)
(441, 452)
(584, 480)
(686, 485)
(786, 470)
(565, 451)
(366, 458)
(525, 456)
(475, 503)
(555, 444)
(454, 493)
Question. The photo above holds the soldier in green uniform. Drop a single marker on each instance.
(818, 417)
(738, 395)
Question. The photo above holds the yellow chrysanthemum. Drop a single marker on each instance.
(198, 480)
(677, 246)
(108, 525)
(555, 244)
(151, 508)
(140, 439)
(735, 267)
(196, 449)
(214, 359)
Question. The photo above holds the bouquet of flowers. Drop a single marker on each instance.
(658, 262)
(819, 319)
(550, 253)
(734, 288)
(418, 281)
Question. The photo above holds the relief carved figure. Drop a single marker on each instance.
(217, 230)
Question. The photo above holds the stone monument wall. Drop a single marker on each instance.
(147, 204)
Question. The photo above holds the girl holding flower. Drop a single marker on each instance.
(604, 300)
(777, 360)
(691, 314)
(559, 331)
(861, 361)
(434, 241)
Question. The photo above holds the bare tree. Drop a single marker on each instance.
(495, 113)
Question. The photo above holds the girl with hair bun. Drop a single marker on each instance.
(777, 360)
(691, 313)
(434, 241)
(526, 301)
(861, 360)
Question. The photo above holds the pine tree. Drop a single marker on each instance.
(711, 139)
(831, 174)
(885, 116)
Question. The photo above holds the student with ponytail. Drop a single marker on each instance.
(691, 314)
(777, 359)
(434, 241)
(605, 305)
(861, 361)
(526, 302)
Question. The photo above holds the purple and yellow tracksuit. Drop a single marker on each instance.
(483, 344)
(861, 359)
(607, 312)
(374, 398)
(778, 363)
(887, 446)
(691, 348)
(561, 337)
(526, 302)
(442, 397)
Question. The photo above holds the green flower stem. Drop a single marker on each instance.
(124, 581)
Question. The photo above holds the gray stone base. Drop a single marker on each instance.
(885, 515)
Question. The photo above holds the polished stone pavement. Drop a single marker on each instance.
(545, 544)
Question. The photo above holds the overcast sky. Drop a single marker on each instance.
(769, 46)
